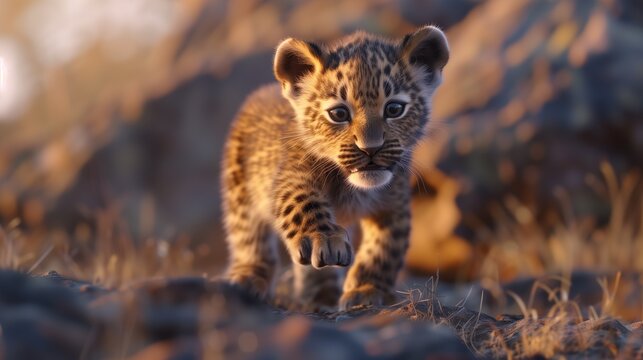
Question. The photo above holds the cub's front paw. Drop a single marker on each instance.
(252, 284)
(319, 300)
(365, 295)
(326, 248)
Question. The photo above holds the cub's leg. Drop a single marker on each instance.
(251, 241)
(317, 289)
(253, 256)
(385, 237)
(306, 224)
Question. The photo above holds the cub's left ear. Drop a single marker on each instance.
(428, 48)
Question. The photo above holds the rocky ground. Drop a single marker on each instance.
(54, 317)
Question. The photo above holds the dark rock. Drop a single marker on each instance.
(443, 13)
(42, 320)
(538, 104)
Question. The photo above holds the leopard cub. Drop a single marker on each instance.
(327, 147)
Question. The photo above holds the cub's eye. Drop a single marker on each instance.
(394, 109)
(339, 114)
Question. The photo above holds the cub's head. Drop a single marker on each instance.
(363, 102)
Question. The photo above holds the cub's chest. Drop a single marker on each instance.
(351, 206)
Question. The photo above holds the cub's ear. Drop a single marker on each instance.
(294, 60)
(427, 47)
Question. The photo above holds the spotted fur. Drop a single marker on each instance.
(291, 172)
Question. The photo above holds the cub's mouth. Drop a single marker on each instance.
(370, 176)
(371, 167)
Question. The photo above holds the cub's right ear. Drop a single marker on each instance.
(294, 60)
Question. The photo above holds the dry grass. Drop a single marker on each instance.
(112, 258)
(557, 331)
(519, 247)
(564, 329)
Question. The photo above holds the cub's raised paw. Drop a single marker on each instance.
(327, 248)
(365, 295)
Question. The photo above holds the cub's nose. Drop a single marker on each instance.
(370, 151)
(369, 145)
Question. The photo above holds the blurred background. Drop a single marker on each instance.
(113, 114)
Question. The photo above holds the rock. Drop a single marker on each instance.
(443, 13)
(536, 95)
(433, 246)
(42, 320)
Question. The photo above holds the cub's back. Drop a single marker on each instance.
(254, 145)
